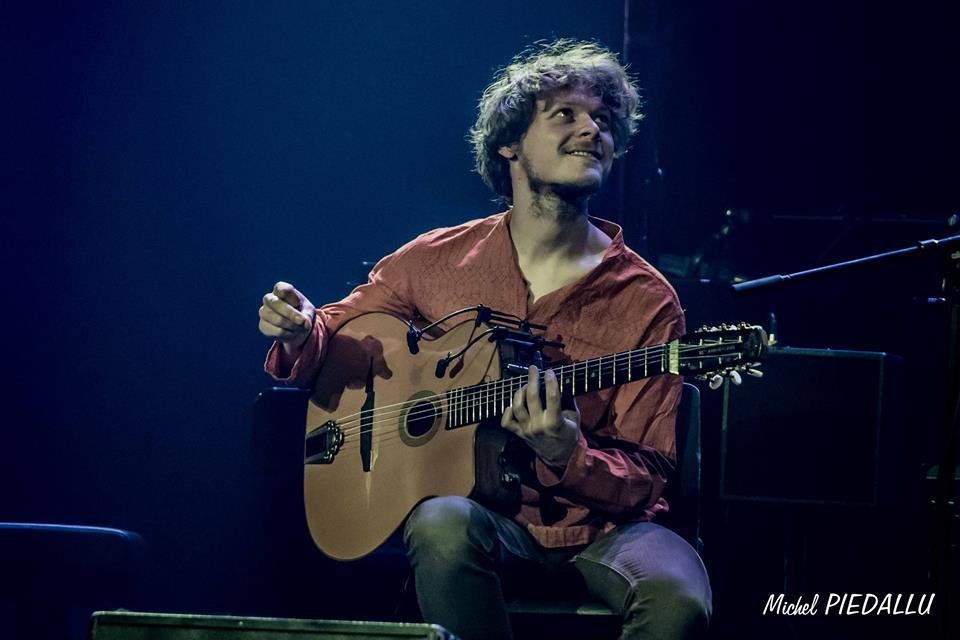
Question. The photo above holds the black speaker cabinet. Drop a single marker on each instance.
(821, 427)
(130, 625)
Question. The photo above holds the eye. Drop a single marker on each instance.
(602, 119)
(564, 114)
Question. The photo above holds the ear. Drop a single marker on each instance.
(508, 152)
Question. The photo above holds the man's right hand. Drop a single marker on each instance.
(287, 316)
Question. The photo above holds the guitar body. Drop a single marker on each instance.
(384, 432)
(355, 501)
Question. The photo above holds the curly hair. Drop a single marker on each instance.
(507, 106)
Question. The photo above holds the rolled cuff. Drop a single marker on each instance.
(304, 367)
(572, 473)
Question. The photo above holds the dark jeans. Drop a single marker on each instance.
(465, 555)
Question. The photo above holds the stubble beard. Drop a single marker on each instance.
(563, 201)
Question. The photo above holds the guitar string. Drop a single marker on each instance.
(471, 404)
(502, 382)
(472, 400)
(654, 351)
(393, 433)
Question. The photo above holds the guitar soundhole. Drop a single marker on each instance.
(420, 419)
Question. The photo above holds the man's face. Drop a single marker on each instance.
(568, 148)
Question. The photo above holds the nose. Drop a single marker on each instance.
(589, 128)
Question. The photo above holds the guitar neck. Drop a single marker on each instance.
(469, 405)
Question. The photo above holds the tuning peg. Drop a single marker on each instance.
(751, 371)
(734, 376)
(715, 382)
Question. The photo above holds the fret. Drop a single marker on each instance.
(645, 363)
(486, 399)
(483, 408)
(456, 406)
(448, 395)
(451, 419)
(614, 369)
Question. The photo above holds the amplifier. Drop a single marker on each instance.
(822, 426)
(131, 625)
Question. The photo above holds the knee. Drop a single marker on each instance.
(444, 528)
(672, 608)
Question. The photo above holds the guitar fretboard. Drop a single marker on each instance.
(469, 405)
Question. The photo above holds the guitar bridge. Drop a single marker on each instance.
(323, 444)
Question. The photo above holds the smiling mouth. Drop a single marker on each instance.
(584, 154)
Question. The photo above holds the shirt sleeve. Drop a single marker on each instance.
(387, 289)
(624, 474)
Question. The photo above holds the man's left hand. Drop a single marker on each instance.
(550, 431)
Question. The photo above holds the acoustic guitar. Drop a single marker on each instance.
(384, 431)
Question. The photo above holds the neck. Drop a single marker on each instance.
(544, 224)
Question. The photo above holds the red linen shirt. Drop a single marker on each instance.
(621, 304)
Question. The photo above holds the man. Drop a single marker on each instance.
(549, 128)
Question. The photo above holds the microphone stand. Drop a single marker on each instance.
(946, 499)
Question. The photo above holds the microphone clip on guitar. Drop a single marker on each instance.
(512, 333)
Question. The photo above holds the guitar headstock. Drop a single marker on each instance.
(724, 350)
